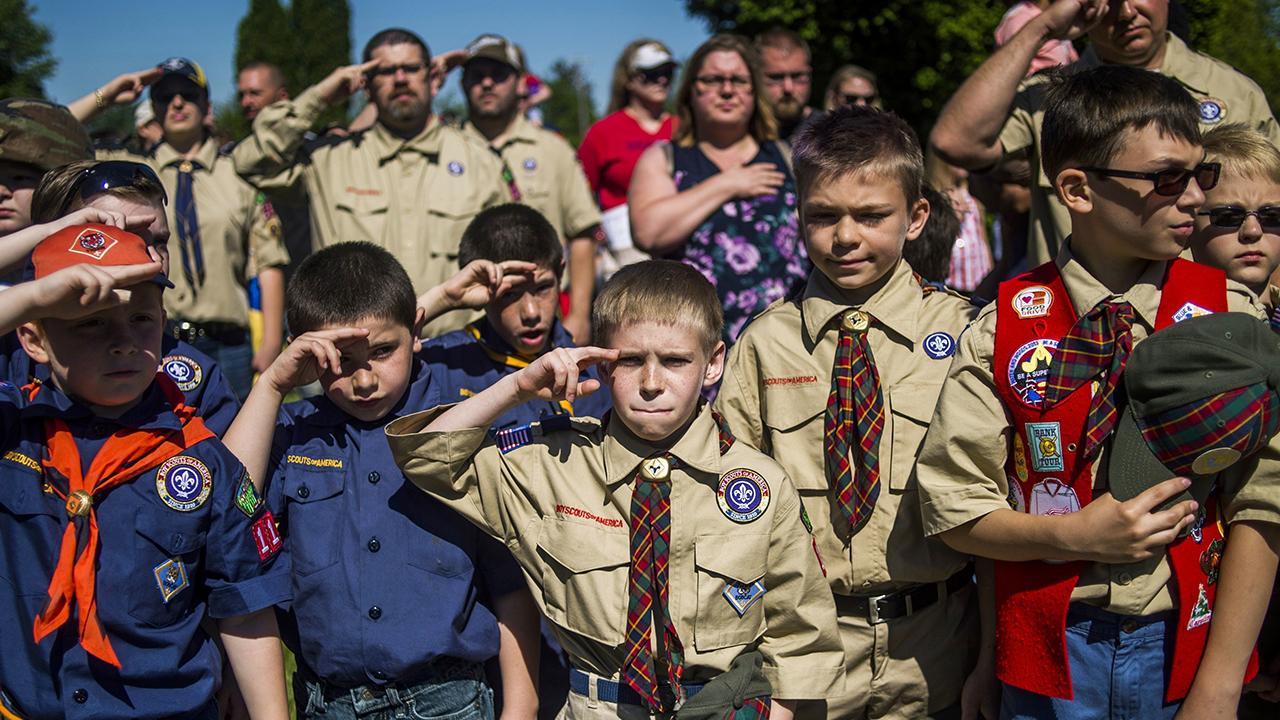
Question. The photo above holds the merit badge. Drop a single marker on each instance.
(265, 537)
(1053, 497)
(1201, 613)
(93, 243)
(1017, 501)
(247, 498)
(530, 164)
(171, 578)
(1019, 457)
(1188, 311)
(455, 168)
(183, 370)
(1215, 461)
(655, 469)
(1046, 446)
(1212, 110)
(183, 483)
(1033, 302)
(1210, 559)
(743, 495)
(939, 345)
(1029, 370)
(742, 597)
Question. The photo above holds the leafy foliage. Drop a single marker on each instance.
(569, 110)
(1241, 32)
(25, 61)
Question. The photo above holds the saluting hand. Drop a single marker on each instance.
(127, 88)
(343, 82)
(1069, 19)
(85, 289)
(481, 281)
(554, 376)
(309, 355)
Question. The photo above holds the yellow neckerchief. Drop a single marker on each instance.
(518, 361)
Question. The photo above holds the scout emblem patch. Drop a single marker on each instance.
(455, 168)
(1046, 446)
(1212, 110)
(743, 495)
(1053, 497)
(1029, 370)
(93, 243)
(656, 468)
(742, 597)
(247, 498)
(939, 345)
(265, 537)
(171, 578)
(1200, 613)
(183, 483)
(1033, 302)
(184, 371)
(530, 164)
(1188, 311)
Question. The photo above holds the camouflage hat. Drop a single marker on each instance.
(41, 134)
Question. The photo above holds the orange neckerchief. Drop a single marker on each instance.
(125, 455)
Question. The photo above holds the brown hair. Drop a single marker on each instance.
(56, 194)
(856, 139)
(763, 126)
(666, 292)
(1244, 151)
(849, 72)
(618, 94)
(780, 38)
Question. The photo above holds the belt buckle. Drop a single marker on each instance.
(873, 609)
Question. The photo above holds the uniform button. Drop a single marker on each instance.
(374, 477)
(374, 545)
(1129, 626)
(80, 695)
(375, 612)
(1124, 578)
(304, 492)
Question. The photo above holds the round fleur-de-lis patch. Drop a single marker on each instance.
(743, 495)
(183, 483)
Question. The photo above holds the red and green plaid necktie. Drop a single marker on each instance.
(1098, 344)
(854, 422)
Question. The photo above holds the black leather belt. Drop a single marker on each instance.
(903, 603)
(219, 332)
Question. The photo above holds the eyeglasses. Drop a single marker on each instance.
(653, 76)
(1171, 182)
(855, 99)
(799, 78)
(117, 174)
(391, 70)
(715, 82)
(1232, 216)
(191, 95)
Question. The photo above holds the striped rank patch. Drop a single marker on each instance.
(512, 438)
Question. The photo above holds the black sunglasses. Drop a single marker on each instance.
(1172, 182)
(191, 95)
(1232, 216)
(116, 174)
(855, 99)
(653, 76)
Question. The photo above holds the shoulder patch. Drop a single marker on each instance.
(184, 371)
(184, 483)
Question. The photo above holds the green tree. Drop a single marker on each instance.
(569, 110)
(25, 61)
(1243, 33)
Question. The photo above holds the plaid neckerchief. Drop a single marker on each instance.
(1097, 345)
(854, 423)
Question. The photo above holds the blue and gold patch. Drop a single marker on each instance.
(184, 371)
(171, 578)
(183, 483)
(742, 597)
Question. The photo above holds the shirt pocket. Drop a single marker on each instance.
(168, 547)
(361, 217)
(911, 410)
(37, 514)
(794, 420)
(584, 578)
(738, 559)
(314, 510)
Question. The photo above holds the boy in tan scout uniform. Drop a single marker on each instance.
(1091, 588)
(662, 550)
(838, 385)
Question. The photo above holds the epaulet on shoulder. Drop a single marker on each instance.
(521, 435)
(930, 287)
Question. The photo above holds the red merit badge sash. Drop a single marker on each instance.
(1047, 476)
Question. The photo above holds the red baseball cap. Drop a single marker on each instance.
(101, 245)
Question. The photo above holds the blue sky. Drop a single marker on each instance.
(94, 42)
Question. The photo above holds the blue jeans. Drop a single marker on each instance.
(1117, 670)
(461, 698)
(235, 361)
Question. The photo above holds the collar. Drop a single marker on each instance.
(1086, 292)
(896, 306)
(387, 146)
(152, 412)
(417, 396)
(500, 352)
(521, 131)
(206, 155)
(698, 447)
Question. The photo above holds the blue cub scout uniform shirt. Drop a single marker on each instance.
(160, 569)
(195, 373)
(385, 578)
(463, 365)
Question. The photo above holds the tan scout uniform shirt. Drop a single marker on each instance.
(413, 197)
(1206, 78)
(962, 463)
(562, 503)
(233, 228)
(548, 175)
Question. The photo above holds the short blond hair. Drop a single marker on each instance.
(665, 292)
(1243, 150)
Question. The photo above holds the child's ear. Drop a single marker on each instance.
(419, 320)
(1072, 186)
(919, 212)
(715, 365)
(31, 335)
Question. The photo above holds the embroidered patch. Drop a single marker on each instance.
(742, 597)
(512, 438)
(183, 483)
(1029, 370)
(804, 520)
(1210, 559)
(247, 498)
(743, 495)
(1190, 310)
(93, 243)
(1019, 457)
(1046, 446)
(335, 463)
(25, 461)
(939, 345)
(797, 380)
(455, 168)
(1017, 501)
(1052, 497)
(183, 370)
(1033, 302)
(265, 536)
(1214, 461)
(1212, 110)
(530, 164)
(1201, 613)
(1197, 525)
(171, 578)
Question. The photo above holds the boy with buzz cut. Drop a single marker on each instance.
(124, 520)
(673, 560)
(398, 601)
(838, 385)
(518, 325)
(1102, 602)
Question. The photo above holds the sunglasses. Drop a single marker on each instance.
(1232, 216)
(653, 76)
(855, 99)
(1172, 182)
(478, 70)
(193, 96)
(117, 174)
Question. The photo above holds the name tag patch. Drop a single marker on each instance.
(743, 495)
(1046, 446)
(183, 483)
(742, 597)
(171, 578)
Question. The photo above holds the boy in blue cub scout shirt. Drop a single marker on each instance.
(111, 482)
(398, 601)
(519, 325)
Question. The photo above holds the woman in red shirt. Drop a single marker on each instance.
(637, 118)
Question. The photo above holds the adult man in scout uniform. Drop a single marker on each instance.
(538, 166)
(35, 136)
(410, 183)
(995, 116)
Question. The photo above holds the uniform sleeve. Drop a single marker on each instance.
(215, 401)
(269, 157)
(803, 655)
(960, 472)
(1254, 496)
(1019, 128)
(580, 211)
(266, 239)
(738, 401)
